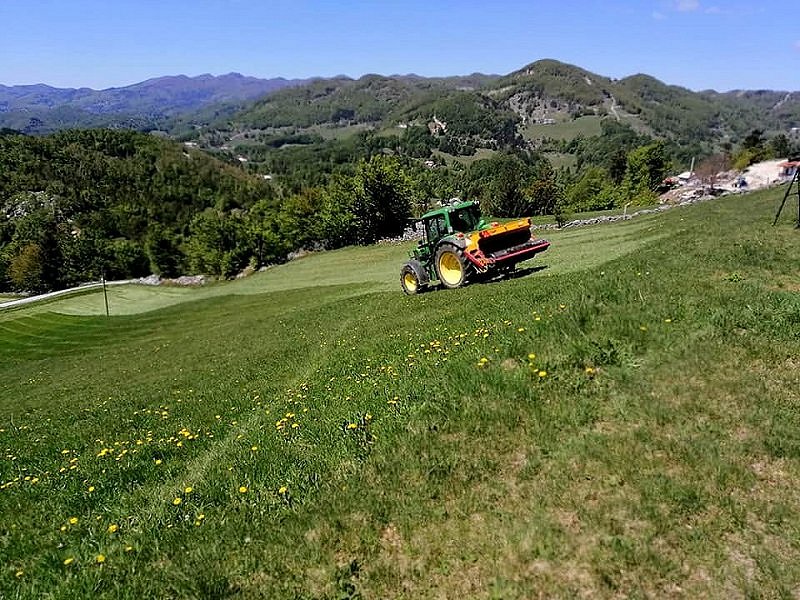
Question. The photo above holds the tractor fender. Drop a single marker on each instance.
(453, 240)
(420, 270)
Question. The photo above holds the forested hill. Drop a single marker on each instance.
(485, 107)
(302, 134)
(80, 201)
(668, 110)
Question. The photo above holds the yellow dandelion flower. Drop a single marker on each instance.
(91, 488)
(128, 548)
(282, 490)
(531, 356)
(200, 517)
(69, 560)
(113, 528)
(542, 373)
(101, 558)
(352, 425)
(73, 520)
(520, 329)
(188, 489)
(177, 501)
(242, 489)
(158, 461)
(19, 573)
(667, 320)
(254, 448)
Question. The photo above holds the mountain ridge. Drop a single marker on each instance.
(541, 93)
(536, 93)
(28, 107)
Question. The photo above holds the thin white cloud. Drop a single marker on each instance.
(687, 5)
(695, 6)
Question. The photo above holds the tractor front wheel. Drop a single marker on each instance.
(412, 278)
(451, 266)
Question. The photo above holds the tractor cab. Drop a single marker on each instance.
(463, 217)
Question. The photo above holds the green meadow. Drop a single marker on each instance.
(565, 130)
(620, 418)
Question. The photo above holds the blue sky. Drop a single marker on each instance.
(700, 44)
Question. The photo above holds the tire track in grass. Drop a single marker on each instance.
(156, 501)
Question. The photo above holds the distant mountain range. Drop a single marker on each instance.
(478, 110)
(41, 108)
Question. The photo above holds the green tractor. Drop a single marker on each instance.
(458, 245)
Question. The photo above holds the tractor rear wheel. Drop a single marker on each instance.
(451, 266)
(413, 279)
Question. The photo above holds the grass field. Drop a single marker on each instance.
(560, 160)
(564, 130)
(366, 269)
(480, 154)
(623, 422)
(339, 133)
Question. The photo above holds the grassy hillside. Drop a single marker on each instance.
(623, 422)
